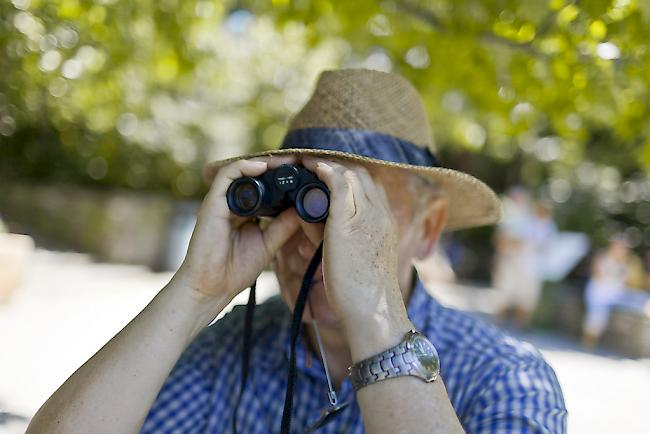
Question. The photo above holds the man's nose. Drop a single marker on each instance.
(311, 239)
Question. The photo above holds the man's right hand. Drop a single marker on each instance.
(114, 390)
(228, 252)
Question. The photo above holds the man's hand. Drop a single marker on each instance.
(360, 254)
(113, 391)
(228, 252)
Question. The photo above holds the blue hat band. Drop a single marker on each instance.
(361, 142)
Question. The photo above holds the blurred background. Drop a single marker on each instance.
(110, 108)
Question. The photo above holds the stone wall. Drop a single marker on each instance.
(121, 226)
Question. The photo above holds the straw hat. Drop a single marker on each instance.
(377, 118)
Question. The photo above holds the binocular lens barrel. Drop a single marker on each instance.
(315, 203)
(245, 196)
(277, 189)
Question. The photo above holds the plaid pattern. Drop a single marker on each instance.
(496, 383)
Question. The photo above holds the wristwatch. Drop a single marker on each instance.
(415, 356)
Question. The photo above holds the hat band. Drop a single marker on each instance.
(360, 142)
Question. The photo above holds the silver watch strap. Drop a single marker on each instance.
(394, 362)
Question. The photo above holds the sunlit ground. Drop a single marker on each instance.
(69, 306)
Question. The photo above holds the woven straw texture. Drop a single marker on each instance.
(367, 100)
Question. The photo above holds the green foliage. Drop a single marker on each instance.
(498, 74)
(141, 93)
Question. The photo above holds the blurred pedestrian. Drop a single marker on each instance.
(615, 275)
(521, 239)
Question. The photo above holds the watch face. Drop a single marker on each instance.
(426, 355)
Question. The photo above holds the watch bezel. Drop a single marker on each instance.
(428, 375)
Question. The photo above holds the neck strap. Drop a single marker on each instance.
(296, 326)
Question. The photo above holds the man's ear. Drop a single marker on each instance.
(432, 221)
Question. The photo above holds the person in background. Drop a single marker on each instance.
(520, 243)
(616, 275)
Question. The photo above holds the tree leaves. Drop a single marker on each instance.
(186, 81)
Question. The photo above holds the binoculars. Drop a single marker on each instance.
(278, 189)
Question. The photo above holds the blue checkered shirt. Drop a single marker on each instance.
(496, 383)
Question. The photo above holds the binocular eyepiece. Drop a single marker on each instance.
(278, 189)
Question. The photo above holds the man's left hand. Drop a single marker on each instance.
(360, 254)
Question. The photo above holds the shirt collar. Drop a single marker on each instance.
(421, 308)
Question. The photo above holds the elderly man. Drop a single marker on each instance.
(365, 135)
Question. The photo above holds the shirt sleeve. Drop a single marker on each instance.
(184, 401)
(524, 397)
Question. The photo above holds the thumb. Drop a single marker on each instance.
(280, 230)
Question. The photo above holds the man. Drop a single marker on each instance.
(371, 145)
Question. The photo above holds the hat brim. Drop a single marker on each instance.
(471, 202)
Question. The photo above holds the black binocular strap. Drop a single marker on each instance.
(245, 355)
(296, 324)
